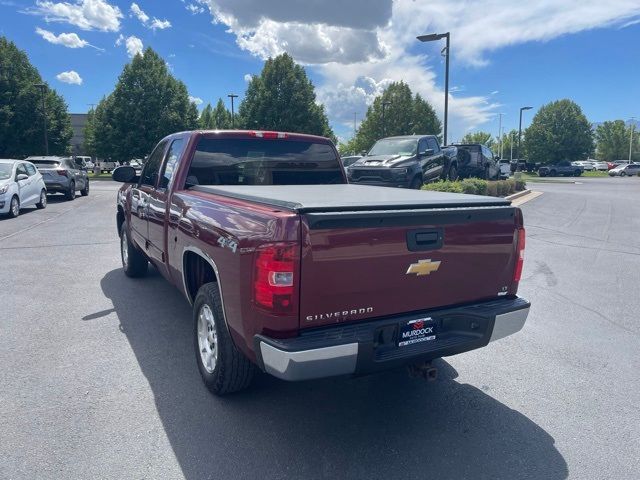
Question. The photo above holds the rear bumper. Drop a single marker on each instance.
(56, 186)
(371, 346)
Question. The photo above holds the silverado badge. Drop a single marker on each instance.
(423, 267)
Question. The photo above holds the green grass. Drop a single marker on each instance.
(595, 174)
(100, 176)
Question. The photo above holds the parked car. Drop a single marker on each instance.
(107, 166)
(586, 165)
(137, 165)
(476, 160)
(624, 170)
(562, 168)
(295, 272)
(600, 166)
(406, 162)
(85, 161)
(62, 175)
(21, 185)
(505, 167)
(350, 160)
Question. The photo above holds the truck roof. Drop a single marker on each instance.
(326, 198)
(410, 137)
(260, 133)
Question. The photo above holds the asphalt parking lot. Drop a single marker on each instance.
(99, 378)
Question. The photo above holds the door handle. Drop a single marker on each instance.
(427, 239)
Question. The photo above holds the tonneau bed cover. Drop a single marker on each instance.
(336, 198)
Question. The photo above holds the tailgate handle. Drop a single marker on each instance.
(425, 239)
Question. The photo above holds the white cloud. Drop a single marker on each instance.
(70, 40)
(196, 100)
(138, 13)
(194, 9)
(133, 44)
(85, 14)
(247, 77)
(159, 24)
(358, 46)
(155, 24)
(71, 77)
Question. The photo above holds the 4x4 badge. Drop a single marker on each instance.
(423, 267)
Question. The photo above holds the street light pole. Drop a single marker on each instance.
(520, 135)
(431, 38)
(633, 127)
(500, 136)
(384, 130)
(232, 96)
(43, 88)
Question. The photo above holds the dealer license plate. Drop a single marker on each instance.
(416, 331)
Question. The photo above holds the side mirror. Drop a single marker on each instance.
(124, 174)
(21, 176)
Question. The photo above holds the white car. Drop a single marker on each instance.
(585, 164)
(600, 166)
(21, 185)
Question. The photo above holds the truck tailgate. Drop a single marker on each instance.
(358, 265)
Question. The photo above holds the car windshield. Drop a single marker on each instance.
(395, 146)
(263, 162)
(5, 170)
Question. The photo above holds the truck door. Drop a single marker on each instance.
(140, 196)
(157, 205)
(434, 162)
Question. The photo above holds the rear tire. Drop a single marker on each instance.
(223, 368)
(134, 263)
(85, 191)
(14, 207)
(416, 183)
(43, 200)
(577, 173)
(552, 173)
(71, 193)
(623, 174)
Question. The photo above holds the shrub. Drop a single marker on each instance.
(444, 186)
(492, 189)
(474, 186)
(503, 188)
(520, 185)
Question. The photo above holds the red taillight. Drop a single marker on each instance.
(62, 172)
(269, 135)
(517, 272)
(274, 277)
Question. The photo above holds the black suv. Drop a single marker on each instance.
(405, 161)
(477, 160)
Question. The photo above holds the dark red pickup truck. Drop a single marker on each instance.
(292, 270)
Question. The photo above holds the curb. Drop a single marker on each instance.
(518, 195)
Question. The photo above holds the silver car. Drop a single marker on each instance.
(21, 185)
(62, 175)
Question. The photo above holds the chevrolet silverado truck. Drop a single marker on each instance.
(295, 272)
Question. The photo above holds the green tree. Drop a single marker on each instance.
(508, 140)
(559, 131)
(484, 138)
(205, 118)
(21, 120)
(283, 98)
(612, 140)
(147, 104)
(404, 114)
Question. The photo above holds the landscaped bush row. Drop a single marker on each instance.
(477, 186)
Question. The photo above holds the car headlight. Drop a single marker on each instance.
(400, 171)
(4, 189)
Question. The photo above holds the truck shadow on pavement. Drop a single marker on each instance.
(381, 426)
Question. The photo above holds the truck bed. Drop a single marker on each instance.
(336, 198)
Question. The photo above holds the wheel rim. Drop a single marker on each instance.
(207, 338)
(15, 206)
(43, 199)
(124, 247)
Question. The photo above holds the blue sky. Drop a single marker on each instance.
(504, 54)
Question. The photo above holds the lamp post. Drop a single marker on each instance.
(500, 136)
(232, 96)
(432, 38)
(384, 130)
(520, 135)
(43, 89)
(633, 127)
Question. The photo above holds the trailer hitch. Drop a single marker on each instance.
(424, 370)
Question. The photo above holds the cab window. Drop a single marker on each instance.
(21, 170)
(151, 169)
(174, 154)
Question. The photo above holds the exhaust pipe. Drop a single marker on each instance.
(424, 370)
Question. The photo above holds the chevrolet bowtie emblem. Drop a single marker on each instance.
(423, 267)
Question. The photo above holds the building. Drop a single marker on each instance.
(78, 122)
